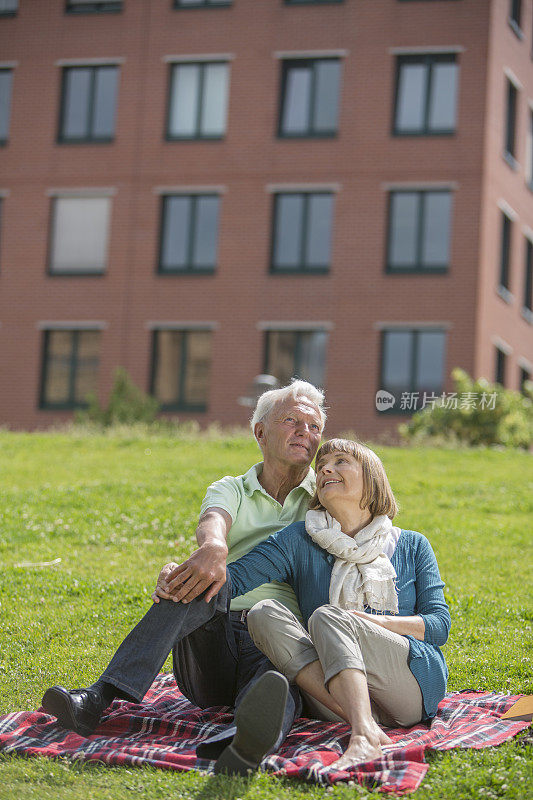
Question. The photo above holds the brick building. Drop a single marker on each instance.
(205, 190)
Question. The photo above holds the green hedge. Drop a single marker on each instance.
(484, 414)
(127, 405)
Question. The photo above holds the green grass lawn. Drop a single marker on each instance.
(115, 508)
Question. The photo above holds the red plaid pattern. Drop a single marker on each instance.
(165, 729)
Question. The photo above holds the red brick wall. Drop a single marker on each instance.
(356, 293)
(496, 317)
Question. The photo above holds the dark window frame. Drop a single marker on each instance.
(429, 59)
(529, 178)
(506, 236)
(416, 332)
(525, 376)
(93, 7)
(291, 63)
(71, 403)
(87, 139)
(312, 2)
(500, 366)
(203, 4)
(302, 269)
(511, 107)
(418, 268)
(9, 13)
(300, 332)
(180, 404)
(514, 18)
(189, 268)
(4, 142)
(198, 136)
(528, 278)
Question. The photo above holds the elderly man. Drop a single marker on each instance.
(214, 659)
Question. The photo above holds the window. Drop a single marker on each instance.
(310, 2)
(309, 97)
(499, 376)
(80, 233)
(201, 3)
(419, 231)
(302, 232)
(198, 100)
(70, 368)
(412, 361)
(528, 277)
(426, 95)
(529, 157)
(510, 125)
(88, 104)
(8, 8)
(88, 6)
(515, 13)
(6, 79)
(189, 233)
(180, 369)
(525, 377)
(296, 354)
(505, 251)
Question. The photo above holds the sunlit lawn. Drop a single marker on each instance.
(115, 508)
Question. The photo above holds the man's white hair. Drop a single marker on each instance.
(295, 389)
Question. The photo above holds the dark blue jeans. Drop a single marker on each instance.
(215, 661)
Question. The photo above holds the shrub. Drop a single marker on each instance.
(127, 404)
(499, 416)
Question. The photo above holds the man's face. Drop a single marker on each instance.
(291, 432)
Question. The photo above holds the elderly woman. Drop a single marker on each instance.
(371, 599)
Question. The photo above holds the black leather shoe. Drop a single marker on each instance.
(259, 720)
(79, 710)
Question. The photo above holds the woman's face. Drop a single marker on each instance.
(339, 478)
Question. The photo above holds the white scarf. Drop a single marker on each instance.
(362, 574)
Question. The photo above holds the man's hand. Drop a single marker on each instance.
(204, 569)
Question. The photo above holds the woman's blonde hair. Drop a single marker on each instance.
(377, 496)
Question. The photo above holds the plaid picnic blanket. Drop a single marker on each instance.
(165, 728)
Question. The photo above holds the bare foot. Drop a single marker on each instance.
(382, 736)
(360, 749)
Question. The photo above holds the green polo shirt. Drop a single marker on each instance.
(256, 515)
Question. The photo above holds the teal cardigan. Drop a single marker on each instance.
(291, 556)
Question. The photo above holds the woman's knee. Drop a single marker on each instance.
(263, 615)
(325, 616)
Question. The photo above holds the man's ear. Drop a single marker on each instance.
(259, 432)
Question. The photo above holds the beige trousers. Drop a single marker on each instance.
(341, 640)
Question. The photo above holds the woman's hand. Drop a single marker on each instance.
(378, 619)
(405, 626)
(161, 589)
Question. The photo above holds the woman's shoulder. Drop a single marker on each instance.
(412, 536)
(296, 539)
(294, 529)
(294, 532)
(411, 541)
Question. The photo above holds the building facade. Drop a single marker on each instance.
(204, 190)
